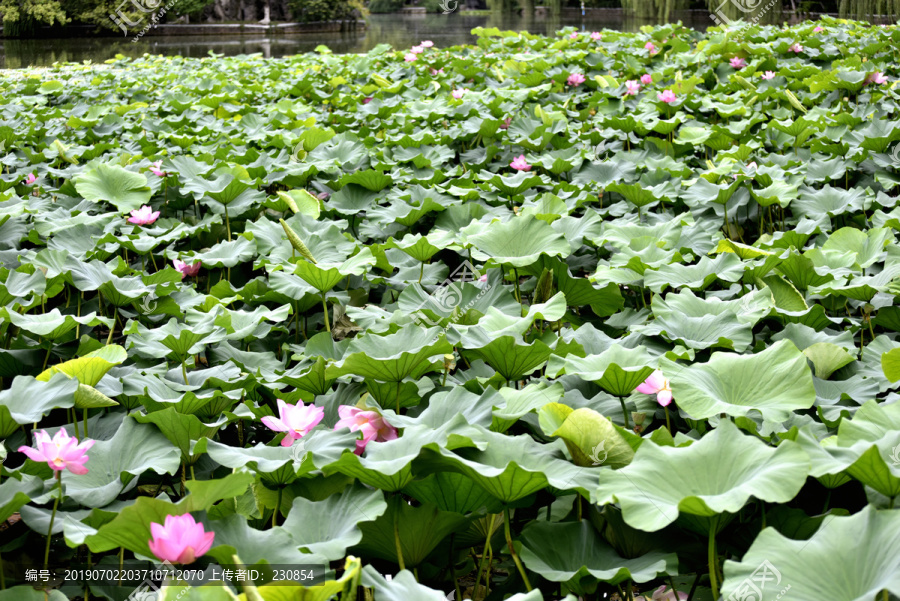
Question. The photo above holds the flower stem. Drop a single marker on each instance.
(47, 356)
(668, 424)
(512, 550)
(52, 519)
(184, 370)
(74, 418)
(325, 313)
(400, 561)
(277, 508)
(112, 329)
(484, 554)
(711, 556)
(624, 412)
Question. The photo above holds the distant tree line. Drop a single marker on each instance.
(24, 17)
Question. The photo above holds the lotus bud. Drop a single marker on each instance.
(296, 242)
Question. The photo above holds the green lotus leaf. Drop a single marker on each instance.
(591, 438)
(726, 267)
(868, 446)
(388, 465)
(718, 474)
(513, 467)
(519, 402)
(420, 530)
(323, 276)
(774, 561)
(574, 553)
(772, 383)
(16, 491)
(450, 491)
(393, 357)
(131, 527)
(52, 324)
(866, 247)
(280, 465)
(28, 399)
(115, 465)
(510, 185)
(400, 587)
(180, 429)
(180, 339)
(827, 358)
(328, 527)
(519, 242)
(617, 370)
(512, 358)
(890, 363)
(301, 201)
(124, 189)
(90, 368)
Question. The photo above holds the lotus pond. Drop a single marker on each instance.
(590, 316)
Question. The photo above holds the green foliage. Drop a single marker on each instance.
(20, 17)
(676, 320)
(385, 6)
(308, 11)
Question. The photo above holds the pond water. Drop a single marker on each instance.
(401, 31)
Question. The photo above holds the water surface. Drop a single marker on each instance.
(400, 31)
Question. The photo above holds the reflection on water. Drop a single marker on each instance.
(401, 31)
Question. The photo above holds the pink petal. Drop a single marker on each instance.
(32, 454)
(76, 468)
(273, 423)
(664, 397)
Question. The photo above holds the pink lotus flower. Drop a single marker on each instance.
(372, 425)
(417, 50)
(596, 36)
(768, 75)
(662, 594)
(30, 179)
(426, 44)
(297, 420)
(876, 77)
(520, 164)
(143, 216)
(649, 46)
(187, 270)
(323, 195)
(738, 63)
(437, 71)
(575, 79)
(752, 166)
(667, 96)
(646, 79)
(156, 169)
(506, 122)
(573, 36)
(410, 58)
(658, 385)
(818, 29)
(367, 100)
(796, 48)
(62, 452)
(458, 93)
(633, 87)
(180, 540)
